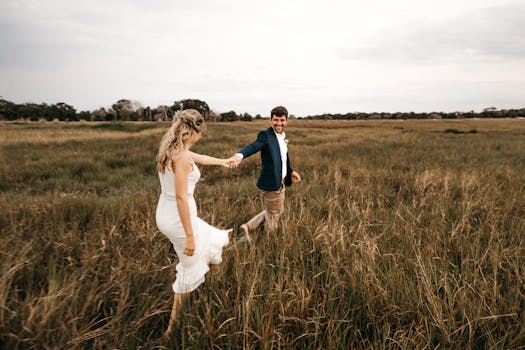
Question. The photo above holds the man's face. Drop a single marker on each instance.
(278, 123)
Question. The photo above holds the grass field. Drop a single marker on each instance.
(402, 235)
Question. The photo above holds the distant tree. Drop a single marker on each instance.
(245, 117)
(99, 115)
(143, 114)
(84, 115)
(110, 115)
(50, 112)
(515, 113)
(8, 110)
(199, 105)
(126, 109)
(162, 113)
(177, 106)
(148, 115)
(31, 111)
(258, 116)
(64, 112)
(229, 116)
(34, 111)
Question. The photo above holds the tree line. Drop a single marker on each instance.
(129, 110)
(122, 110)
(490, 112)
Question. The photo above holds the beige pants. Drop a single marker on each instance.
(273, 202)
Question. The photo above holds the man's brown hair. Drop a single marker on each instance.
(279, 111)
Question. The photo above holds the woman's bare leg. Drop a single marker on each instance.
(177, 305)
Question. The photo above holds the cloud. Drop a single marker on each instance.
(486, 34)
(246, 56)
(35, 38)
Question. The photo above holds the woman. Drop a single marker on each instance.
(196, 243)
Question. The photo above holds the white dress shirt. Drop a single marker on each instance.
(283, 147)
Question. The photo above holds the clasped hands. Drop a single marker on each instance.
(232, 162)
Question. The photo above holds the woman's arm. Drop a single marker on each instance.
(182, 166)
(207, 160)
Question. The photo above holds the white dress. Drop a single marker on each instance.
(209, 240)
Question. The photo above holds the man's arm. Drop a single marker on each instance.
(252, 148)
(256, 146)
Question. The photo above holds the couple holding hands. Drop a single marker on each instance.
(196, 243)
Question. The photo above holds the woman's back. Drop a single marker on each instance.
(167, 181)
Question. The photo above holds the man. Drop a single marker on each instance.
(276, 171)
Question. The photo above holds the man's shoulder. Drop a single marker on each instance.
(265, 132)
(268, 131)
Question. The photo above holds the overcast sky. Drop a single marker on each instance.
(311, 56)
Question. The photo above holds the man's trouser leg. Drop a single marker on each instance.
(273, 202)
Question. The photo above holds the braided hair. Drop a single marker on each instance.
(185, 124)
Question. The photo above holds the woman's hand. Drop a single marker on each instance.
(189, 246)
(230, 162)
(225, 163)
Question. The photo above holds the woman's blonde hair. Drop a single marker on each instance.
(185, 124)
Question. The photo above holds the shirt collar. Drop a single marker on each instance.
(281, 135)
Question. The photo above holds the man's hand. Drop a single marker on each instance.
(295, 177)
(230, 162)
(235, 161)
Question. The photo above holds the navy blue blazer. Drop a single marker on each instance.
(271, 170)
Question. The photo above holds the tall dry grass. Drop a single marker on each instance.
(402, 235)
